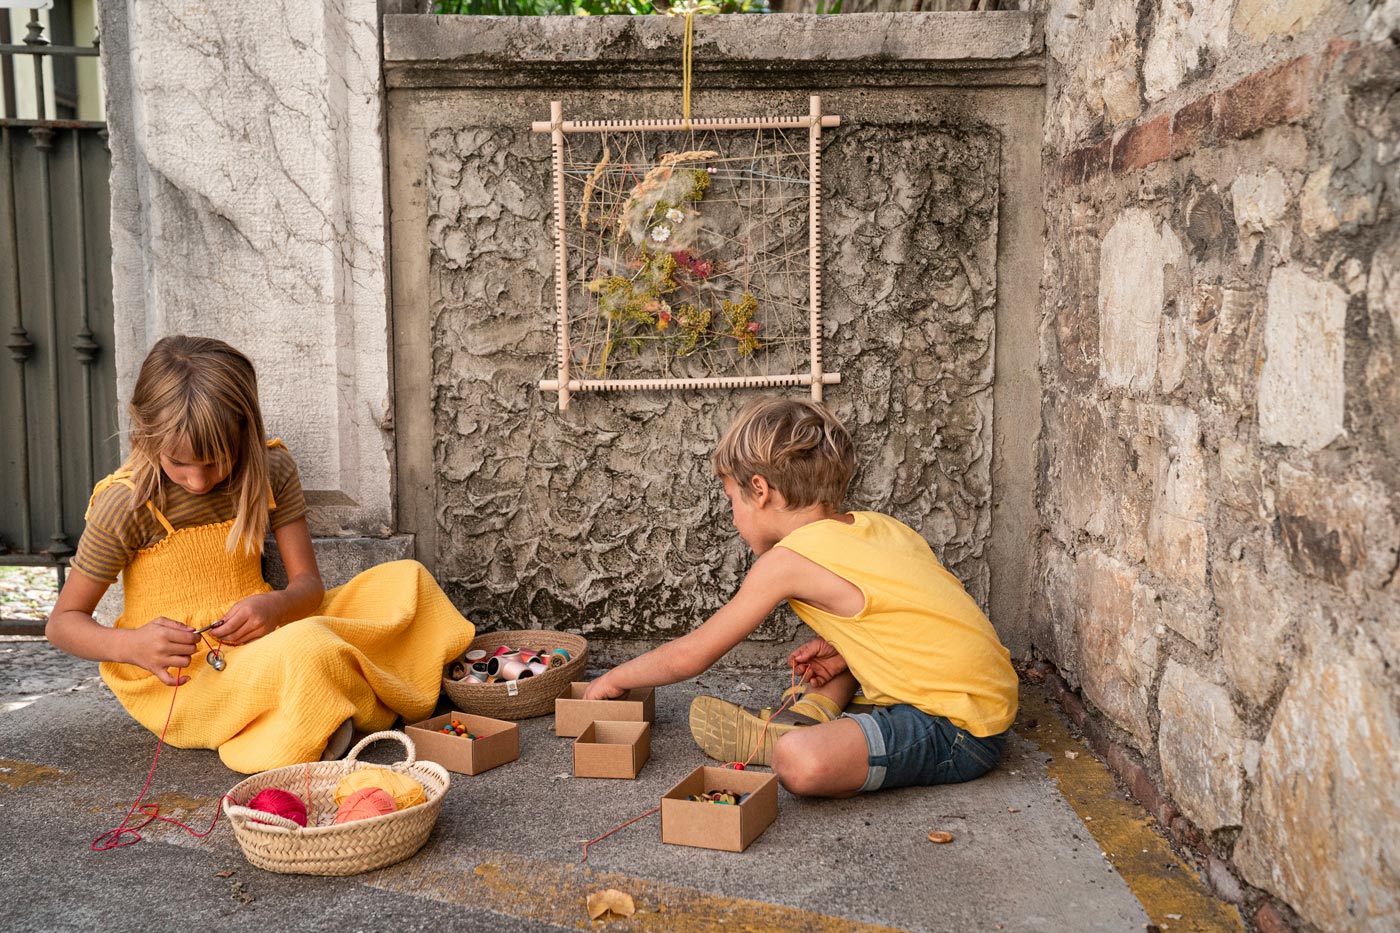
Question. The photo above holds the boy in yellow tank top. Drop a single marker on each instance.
(891, 622)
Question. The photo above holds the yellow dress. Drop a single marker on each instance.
(374, 650)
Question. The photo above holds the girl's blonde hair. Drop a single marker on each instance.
(797, 445)
(204, 392)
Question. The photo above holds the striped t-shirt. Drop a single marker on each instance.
(115, 531)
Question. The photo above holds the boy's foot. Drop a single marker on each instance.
(339, 742)
(729, 732)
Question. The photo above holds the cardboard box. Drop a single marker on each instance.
(572, 713)
(612, 749)
(497, 742)
(716, 825)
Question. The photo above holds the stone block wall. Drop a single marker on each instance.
(1219, 475)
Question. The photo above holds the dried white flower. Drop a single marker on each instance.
(675, 216)
(660, 234)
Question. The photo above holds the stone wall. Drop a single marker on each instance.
(1218, 471)
(248, 204)
(606, 518)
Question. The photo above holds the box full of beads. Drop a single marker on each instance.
(612, 749)
(465, 743)
(514, 675)
(719, 808)
(337, 817)
(573, 714)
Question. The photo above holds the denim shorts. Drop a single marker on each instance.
(910, 748)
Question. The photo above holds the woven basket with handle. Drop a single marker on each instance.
(520, 699)
(322, 847)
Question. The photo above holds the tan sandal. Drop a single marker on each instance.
(728, 732)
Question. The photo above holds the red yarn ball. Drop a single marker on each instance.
(281, 803)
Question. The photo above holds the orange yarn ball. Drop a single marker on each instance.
(365, 803)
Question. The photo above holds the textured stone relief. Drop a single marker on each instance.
(606, 519)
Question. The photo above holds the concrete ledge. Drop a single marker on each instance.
(430, 51)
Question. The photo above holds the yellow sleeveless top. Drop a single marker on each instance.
(920, 639)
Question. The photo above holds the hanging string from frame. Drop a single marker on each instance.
(688, 10)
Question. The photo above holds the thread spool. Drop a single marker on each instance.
(527, 656)
(502, 650)
(477, 654)
(512, 669)
(481, 669)
(558, 657)
(281, 803)
(365, 803)
(459, 670)
(474, 678)
(537, 667)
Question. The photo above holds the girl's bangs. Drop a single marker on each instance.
(212, 435)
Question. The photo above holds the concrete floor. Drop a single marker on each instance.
(505, 853)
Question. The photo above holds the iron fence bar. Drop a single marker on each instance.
(84, 344)
(21, 347)
(53, 124)
(59, 548)
(87, 51)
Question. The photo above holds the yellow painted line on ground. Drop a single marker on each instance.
(1174, 898)
(17, 775)
(557, 893)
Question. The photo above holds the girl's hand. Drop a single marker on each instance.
(817, 661)
(161, 644)
(603, 689)
(250, 619)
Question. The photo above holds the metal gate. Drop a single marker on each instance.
(58, 428)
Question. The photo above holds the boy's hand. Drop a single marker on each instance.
(817, 661)
(250, 619)
(161, 644)
(602, 689)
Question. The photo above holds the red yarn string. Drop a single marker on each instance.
(791, 698)
(613, 830)
(112, 838)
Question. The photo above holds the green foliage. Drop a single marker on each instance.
(581, 7)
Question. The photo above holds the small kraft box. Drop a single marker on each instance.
(612, 749)
(572, 713)
(496, 742)
(730, 827)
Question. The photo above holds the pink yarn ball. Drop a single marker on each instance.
(365, 803)
(281, 803)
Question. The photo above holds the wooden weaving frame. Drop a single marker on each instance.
(564, 384)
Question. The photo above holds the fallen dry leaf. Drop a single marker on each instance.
(1013, 809)
(610, 901)
(940, 836)
(224, 874)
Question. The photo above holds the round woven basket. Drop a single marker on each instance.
(322, 847)
(520, 699)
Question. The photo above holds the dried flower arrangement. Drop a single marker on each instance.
(654, 294)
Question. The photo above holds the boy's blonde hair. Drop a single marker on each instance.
(797, 445)
(202, 391)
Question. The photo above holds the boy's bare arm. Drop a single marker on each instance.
(767, 584)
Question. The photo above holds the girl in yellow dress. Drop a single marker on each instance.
(282, 675)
